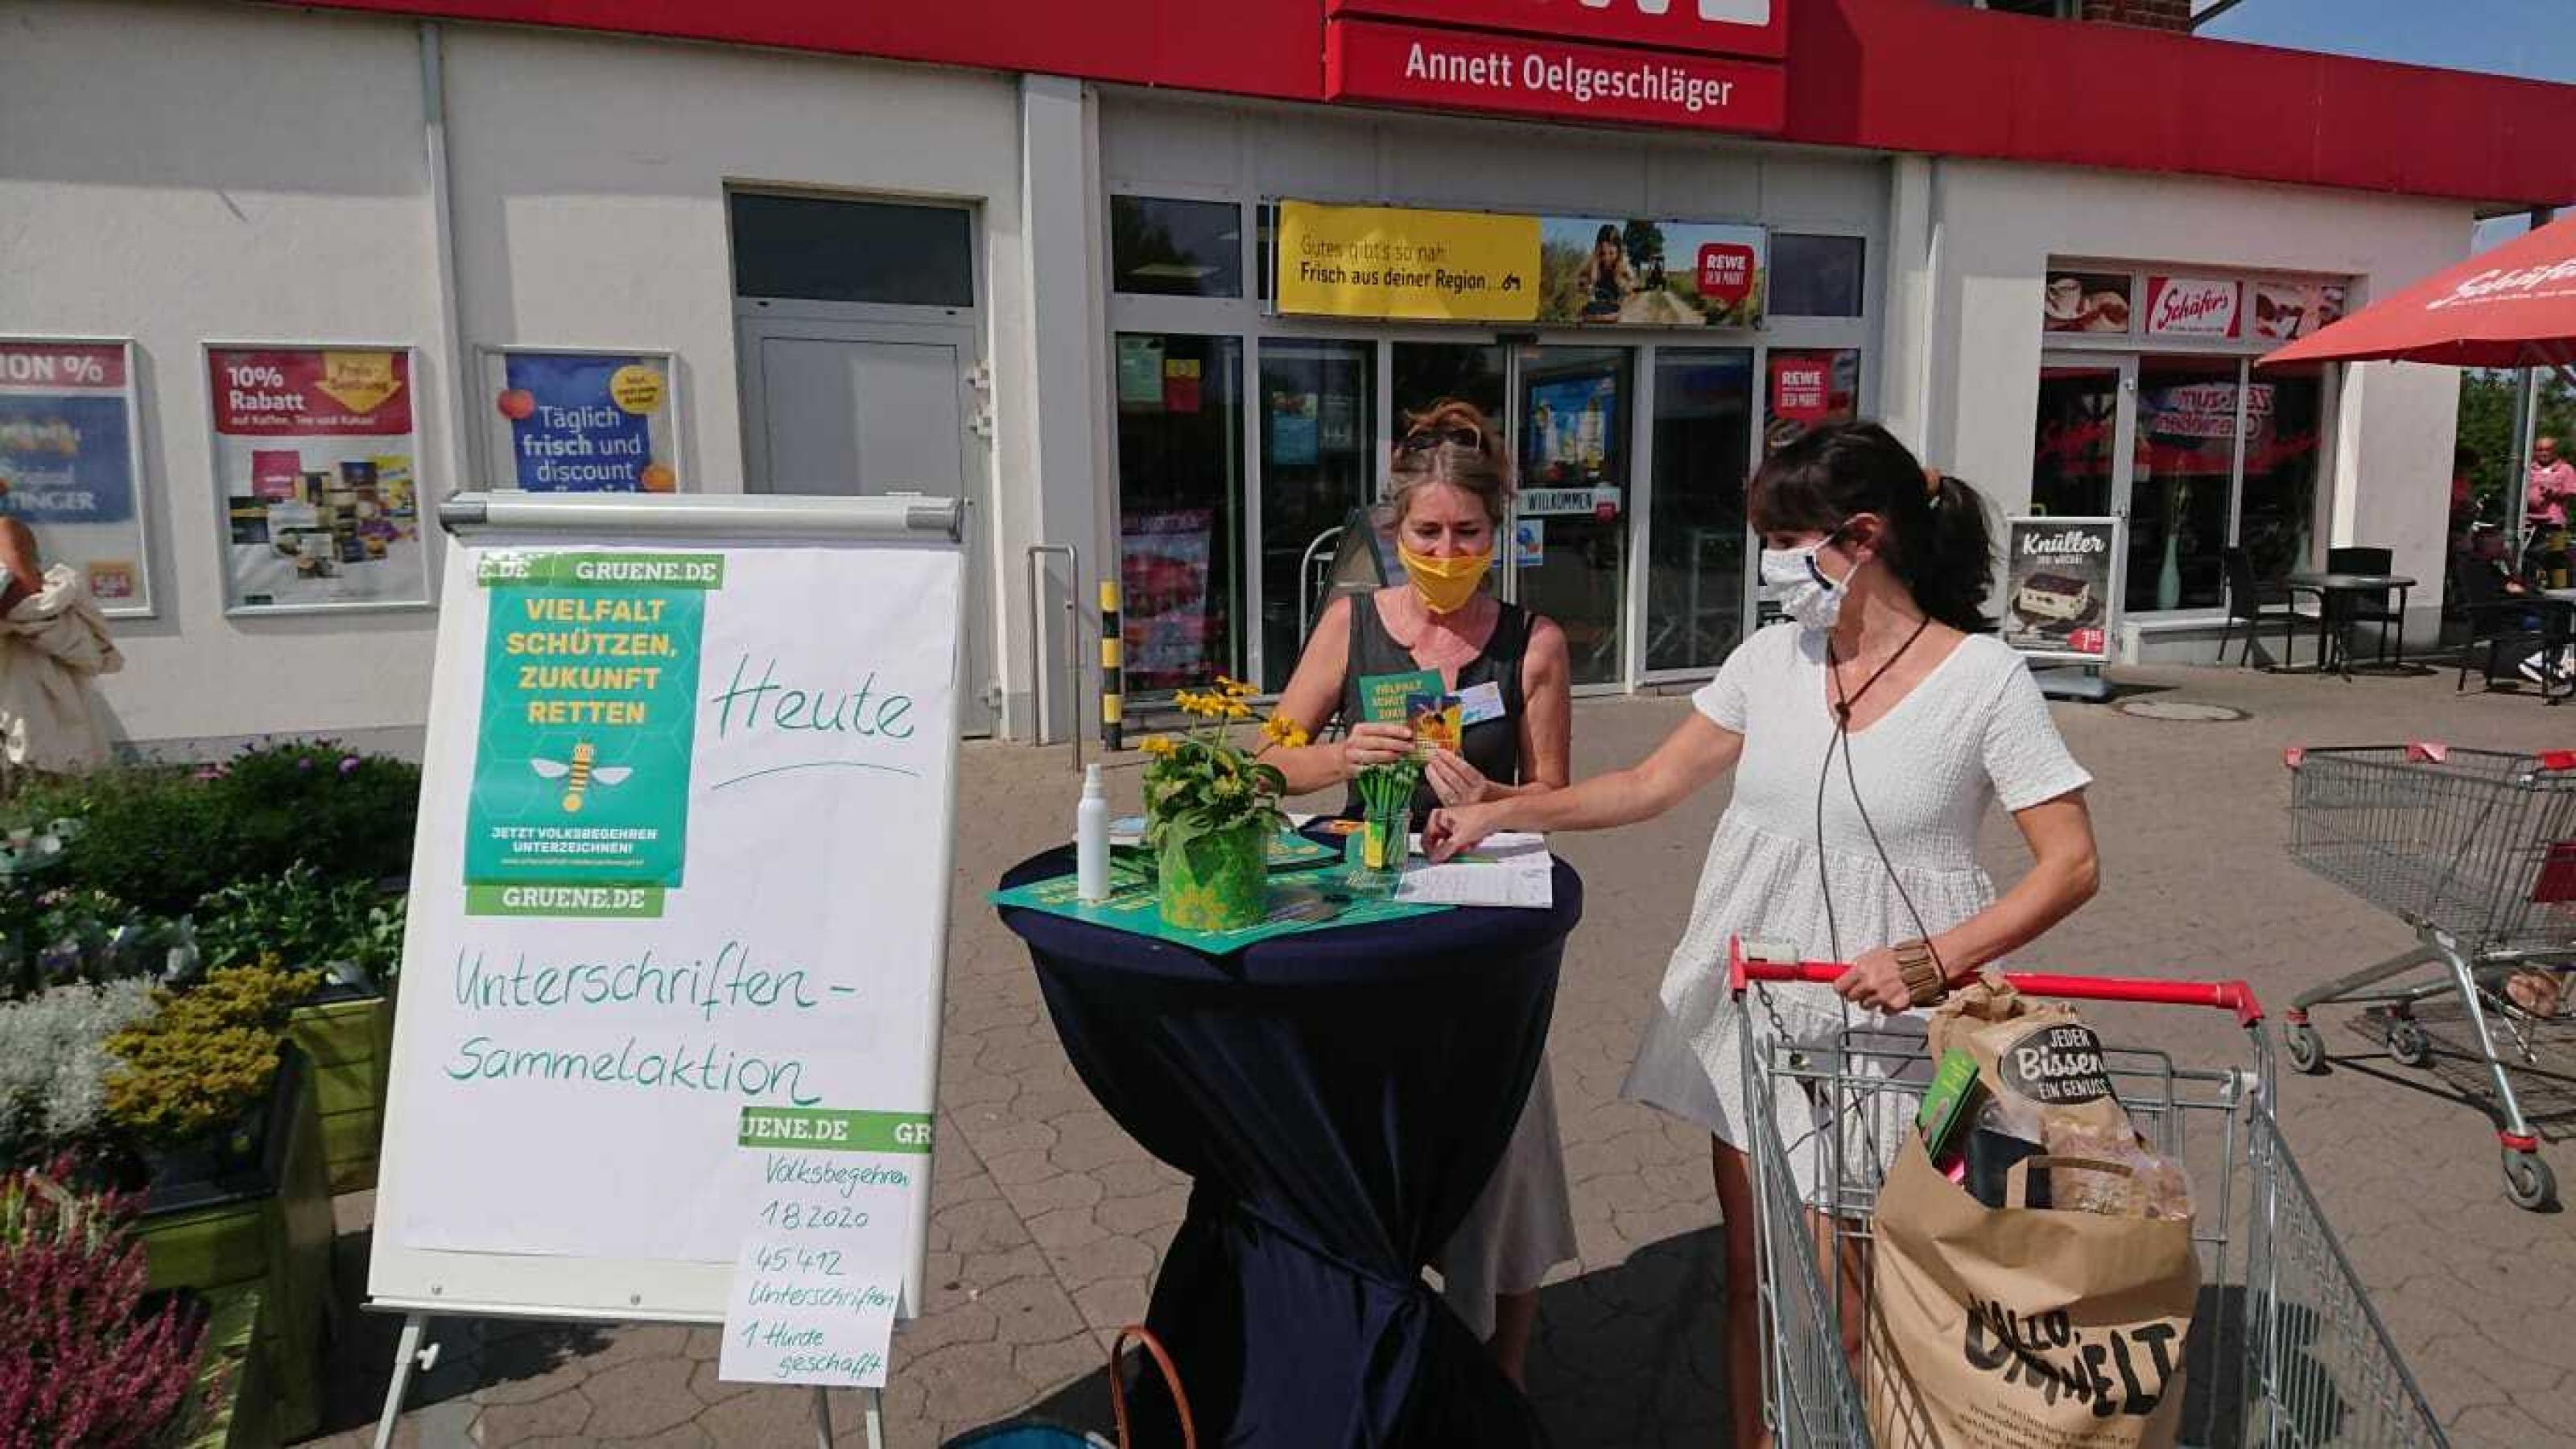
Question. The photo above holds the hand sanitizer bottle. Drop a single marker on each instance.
(1091, 839)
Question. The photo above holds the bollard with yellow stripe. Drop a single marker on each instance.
(1113, 670)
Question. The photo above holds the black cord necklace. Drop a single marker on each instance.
(1842, 705)
(1846, 701)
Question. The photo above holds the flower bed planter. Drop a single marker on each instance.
(244, 1417)
(347, 1034)
(253, 1208)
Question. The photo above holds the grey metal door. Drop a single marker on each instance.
(867, 409)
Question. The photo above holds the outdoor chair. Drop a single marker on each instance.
(2351, 608)
(2499, 622)
(2254, 604)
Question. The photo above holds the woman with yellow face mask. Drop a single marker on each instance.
(1509, 670)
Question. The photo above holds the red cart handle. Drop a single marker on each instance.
(2230, 996)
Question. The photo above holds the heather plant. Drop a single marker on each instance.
(54, 1065)
(83, 1363)
(204, 1055)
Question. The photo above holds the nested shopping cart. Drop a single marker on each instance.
(2476, 849)
(2285, 1348)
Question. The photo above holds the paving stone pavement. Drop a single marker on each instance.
(1047, 1222)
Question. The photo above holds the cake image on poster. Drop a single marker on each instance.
(2086, 302)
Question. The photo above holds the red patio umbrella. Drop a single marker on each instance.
(2514, 306)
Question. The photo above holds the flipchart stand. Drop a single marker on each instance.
(678, 1293)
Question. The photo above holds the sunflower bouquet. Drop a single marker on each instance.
(1211, 810)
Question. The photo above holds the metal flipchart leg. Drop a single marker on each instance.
(408, 1353)
(822, 1418)
(876, 1419)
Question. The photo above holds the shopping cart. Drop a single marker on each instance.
(2476, 849)
(2285, 1348)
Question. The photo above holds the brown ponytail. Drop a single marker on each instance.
(1940, 543)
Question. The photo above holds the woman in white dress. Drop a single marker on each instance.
(1868, 735)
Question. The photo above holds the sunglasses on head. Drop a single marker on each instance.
(1426, 437)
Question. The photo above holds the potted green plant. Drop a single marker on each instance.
(350, 931)
(1211, 810)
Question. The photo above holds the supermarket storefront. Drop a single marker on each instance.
(1161, 282)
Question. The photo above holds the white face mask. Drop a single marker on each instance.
(1793, 579)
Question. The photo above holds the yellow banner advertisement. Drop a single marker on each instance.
(1370, 261)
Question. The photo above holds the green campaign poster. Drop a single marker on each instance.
(580, 801)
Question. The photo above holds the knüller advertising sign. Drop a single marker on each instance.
(2062, 587)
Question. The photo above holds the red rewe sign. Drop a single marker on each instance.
(1800, 390)
(1457, 70)
(1711, 27)
(1725, 272)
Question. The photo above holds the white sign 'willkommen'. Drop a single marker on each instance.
(679, 903)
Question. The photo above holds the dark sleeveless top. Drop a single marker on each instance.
(1492, 746)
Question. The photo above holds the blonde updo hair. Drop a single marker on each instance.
(1450, 442)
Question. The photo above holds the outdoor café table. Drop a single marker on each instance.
(1339, 1097)
(2339, 593)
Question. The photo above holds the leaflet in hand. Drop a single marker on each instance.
(1419, 699)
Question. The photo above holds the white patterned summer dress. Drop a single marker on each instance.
(1974, 731)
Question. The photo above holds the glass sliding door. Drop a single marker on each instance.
(1571, 518)
(1318, 462)
(2284, 424)
(2076, 448)
(2182, 475)
(1180, 507)
(1695, 563)
(1427, 373)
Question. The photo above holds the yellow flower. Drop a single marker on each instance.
(1236, 688)
(1284, 732)
(1237, 709)
(1161, 747)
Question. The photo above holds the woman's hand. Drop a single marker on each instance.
(1875, 982)
(1454, 780)
(1453, 829)
(1375, 744)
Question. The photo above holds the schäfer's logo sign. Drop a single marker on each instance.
(1712, 27)
(2191, 307)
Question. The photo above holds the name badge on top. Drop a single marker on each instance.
(1480, 703)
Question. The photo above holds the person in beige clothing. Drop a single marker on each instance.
(53, 642)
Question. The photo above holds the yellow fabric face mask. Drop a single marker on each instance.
(1445, 584)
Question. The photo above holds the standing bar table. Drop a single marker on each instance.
(2334, 615)
(1339, 1098)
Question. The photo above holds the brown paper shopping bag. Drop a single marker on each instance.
(2019, 1327)
(2023, 1328)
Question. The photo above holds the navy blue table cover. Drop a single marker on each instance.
(1340, 1098)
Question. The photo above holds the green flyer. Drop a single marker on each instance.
(580, 802)
(1383, 697)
